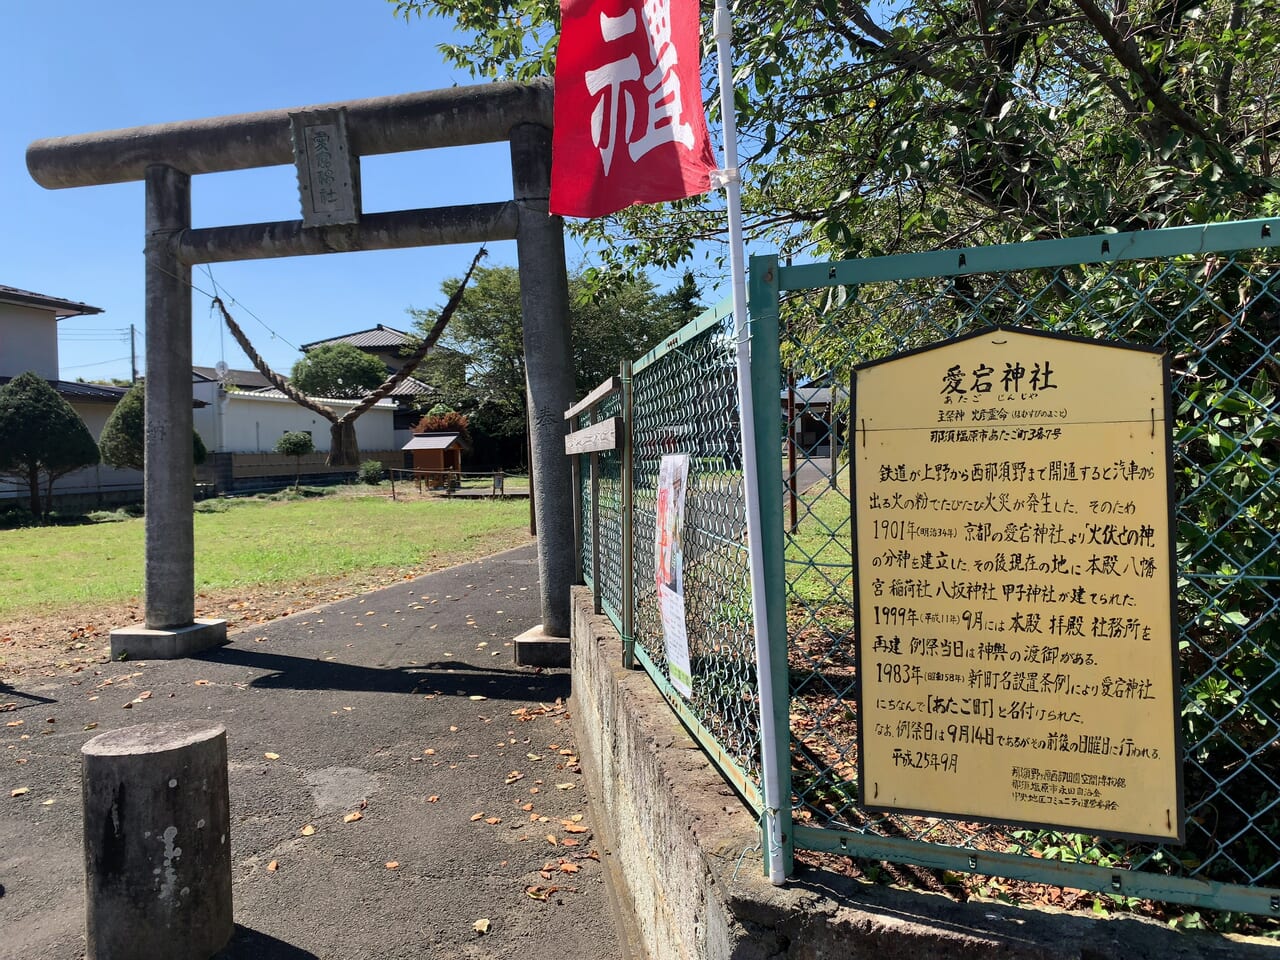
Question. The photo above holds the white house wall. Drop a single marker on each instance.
(252, 423)
(28, 341)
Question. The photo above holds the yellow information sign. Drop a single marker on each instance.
(1014, 580)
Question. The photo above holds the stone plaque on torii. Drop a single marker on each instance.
(325, 143)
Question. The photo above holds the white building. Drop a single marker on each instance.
(251, 421)
(29, 342)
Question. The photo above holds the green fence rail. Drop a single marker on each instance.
(1209, 296)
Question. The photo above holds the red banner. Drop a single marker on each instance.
(629, 123)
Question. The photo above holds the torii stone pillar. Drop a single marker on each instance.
(166, 156)
(168, 478)
(547, 359)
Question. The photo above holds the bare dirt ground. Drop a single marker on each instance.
(51, 645)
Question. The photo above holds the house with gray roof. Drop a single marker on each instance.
(390, 346)
(29, 341)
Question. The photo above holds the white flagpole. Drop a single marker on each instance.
(764, 660)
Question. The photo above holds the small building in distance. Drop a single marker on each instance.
(435, 456)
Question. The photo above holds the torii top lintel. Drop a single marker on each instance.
(484, 113)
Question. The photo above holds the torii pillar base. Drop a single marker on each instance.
(140, 643)
(536, 648)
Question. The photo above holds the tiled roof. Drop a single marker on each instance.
(60, 307)
(271, 393)
(379, 336)
(432, 441)
(244, 379)
(88, 392)
(411, 387)
(73, 391)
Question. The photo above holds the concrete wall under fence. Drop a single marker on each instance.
(686, 851)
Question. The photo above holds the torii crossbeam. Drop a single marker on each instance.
(166, 156)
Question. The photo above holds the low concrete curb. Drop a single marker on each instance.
(688, 854)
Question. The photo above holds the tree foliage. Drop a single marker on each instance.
(337, 370)
(440, 419)
(123, 439)
(895, 127)
(41, 437)
(296, 444)
(611, 321)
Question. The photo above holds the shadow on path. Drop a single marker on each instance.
(444, 677)
(249, 944)
(8, 691)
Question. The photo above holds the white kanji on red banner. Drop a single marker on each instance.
(627, 73)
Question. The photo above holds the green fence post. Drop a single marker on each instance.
(766, 380)
(627, 479)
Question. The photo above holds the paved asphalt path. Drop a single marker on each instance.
(402, 705)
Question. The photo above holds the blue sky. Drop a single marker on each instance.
(82, 66)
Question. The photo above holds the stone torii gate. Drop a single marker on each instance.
(325, 142)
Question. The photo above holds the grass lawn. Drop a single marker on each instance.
(819, 555)
(256, 543)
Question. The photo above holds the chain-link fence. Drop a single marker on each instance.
(684, 400)
(1217, 314)
(1209, 297)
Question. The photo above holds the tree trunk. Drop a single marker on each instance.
(343, 450)
(33, 488)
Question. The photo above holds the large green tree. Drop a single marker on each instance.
(896, 126)
(611, 321)
(41, 437)
(123, 440)
(337, 370)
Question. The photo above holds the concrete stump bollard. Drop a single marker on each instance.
(157, 842)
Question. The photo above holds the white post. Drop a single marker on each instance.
(737, 264)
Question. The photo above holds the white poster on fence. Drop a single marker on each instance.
(673, 475)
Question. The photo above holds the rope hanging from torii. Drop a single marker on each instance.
(343, 450)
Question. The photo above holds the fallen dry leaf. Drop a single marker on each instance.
(564, 786)
(91, 726)
(353, 817)
(513, 776)
(434, 798)
(272, 756)
(481, 925)
(273, 866)
(308, 830)
(19, 792)
(393, 864)
(205, 683)
(478, 816)
(476, 696)
(569, 842)
(569, 868)
(551, 839)
(575, 828)
(493, 821)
